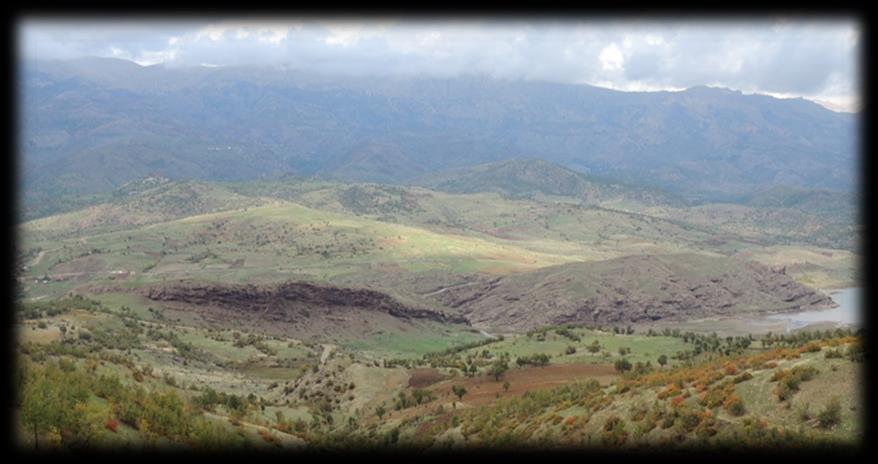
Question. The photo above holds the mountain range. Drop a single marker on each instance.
(91, 125)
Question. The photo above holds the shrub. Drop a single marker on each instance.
(614, 433)
(811, 347)
(112, 425)
(689, 421)
(730, 369)
(734, 405)
(831, 414)
(855, 352)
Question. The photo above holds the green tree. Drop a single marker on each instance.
(39, 406)
(380, 411)
(662, 360)
(459, 391)
(622, 365)
(498, 369)
(506, 386)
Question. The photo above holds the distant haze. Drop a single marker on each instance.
(782, 58)
(90, 125)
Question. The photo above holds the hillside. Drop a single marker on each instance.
(628, 290)
(523, 178)
(142, 202)
(91, 126)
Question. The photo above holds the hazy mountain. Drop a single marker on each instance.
(92, 125)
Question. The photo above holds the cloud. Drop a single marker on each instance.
(817, 60)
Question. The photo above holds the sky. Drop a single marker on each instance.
(785, 58)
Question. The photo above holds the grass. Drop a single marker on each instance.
(410, 345)
(642, 348)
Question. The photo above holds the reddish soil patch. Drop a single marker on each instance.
(483, 389)
(420, 378)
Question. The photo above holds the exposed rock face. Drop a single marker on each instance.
(628, 290)
(304, 306)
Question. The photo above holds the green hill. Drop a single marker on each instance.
(527, 177)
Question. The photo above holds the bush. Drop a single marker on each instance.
(622, 365)
(111, 425)
(614, 433)
(855, 352)
(831, 414)
(735, 406)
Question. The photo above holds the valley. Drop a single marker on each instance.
(329, 235)
(310, 313)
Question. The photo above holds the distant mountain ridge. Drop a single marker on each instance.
(90, 126)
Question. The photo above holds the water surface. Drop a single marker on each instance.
(847, 313)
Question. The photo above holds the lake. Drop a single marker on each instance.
(847, 313)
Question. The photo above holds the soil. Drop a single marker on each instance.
(484, 389)
(419, 378)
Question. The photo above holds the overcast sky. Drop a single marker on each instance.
(818, 60)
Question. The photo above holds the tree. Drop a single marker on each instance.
(420, 395)
(459, 391)
(662, 360)
(622, 365)
(380, 411)
(39, 409)
(506, 386)
(498, 369)
(594, 347)
(570, 350)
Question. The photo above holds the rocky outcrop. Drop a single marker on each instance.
(631, 289)
(287, 302)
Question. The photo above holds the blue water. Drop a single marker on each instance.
(848, 312)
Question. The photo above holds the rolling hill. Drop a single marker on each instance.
(628, 290)
(528, 177)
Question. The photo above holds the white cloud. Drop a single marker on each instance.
(816, 60)
(611, 58)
